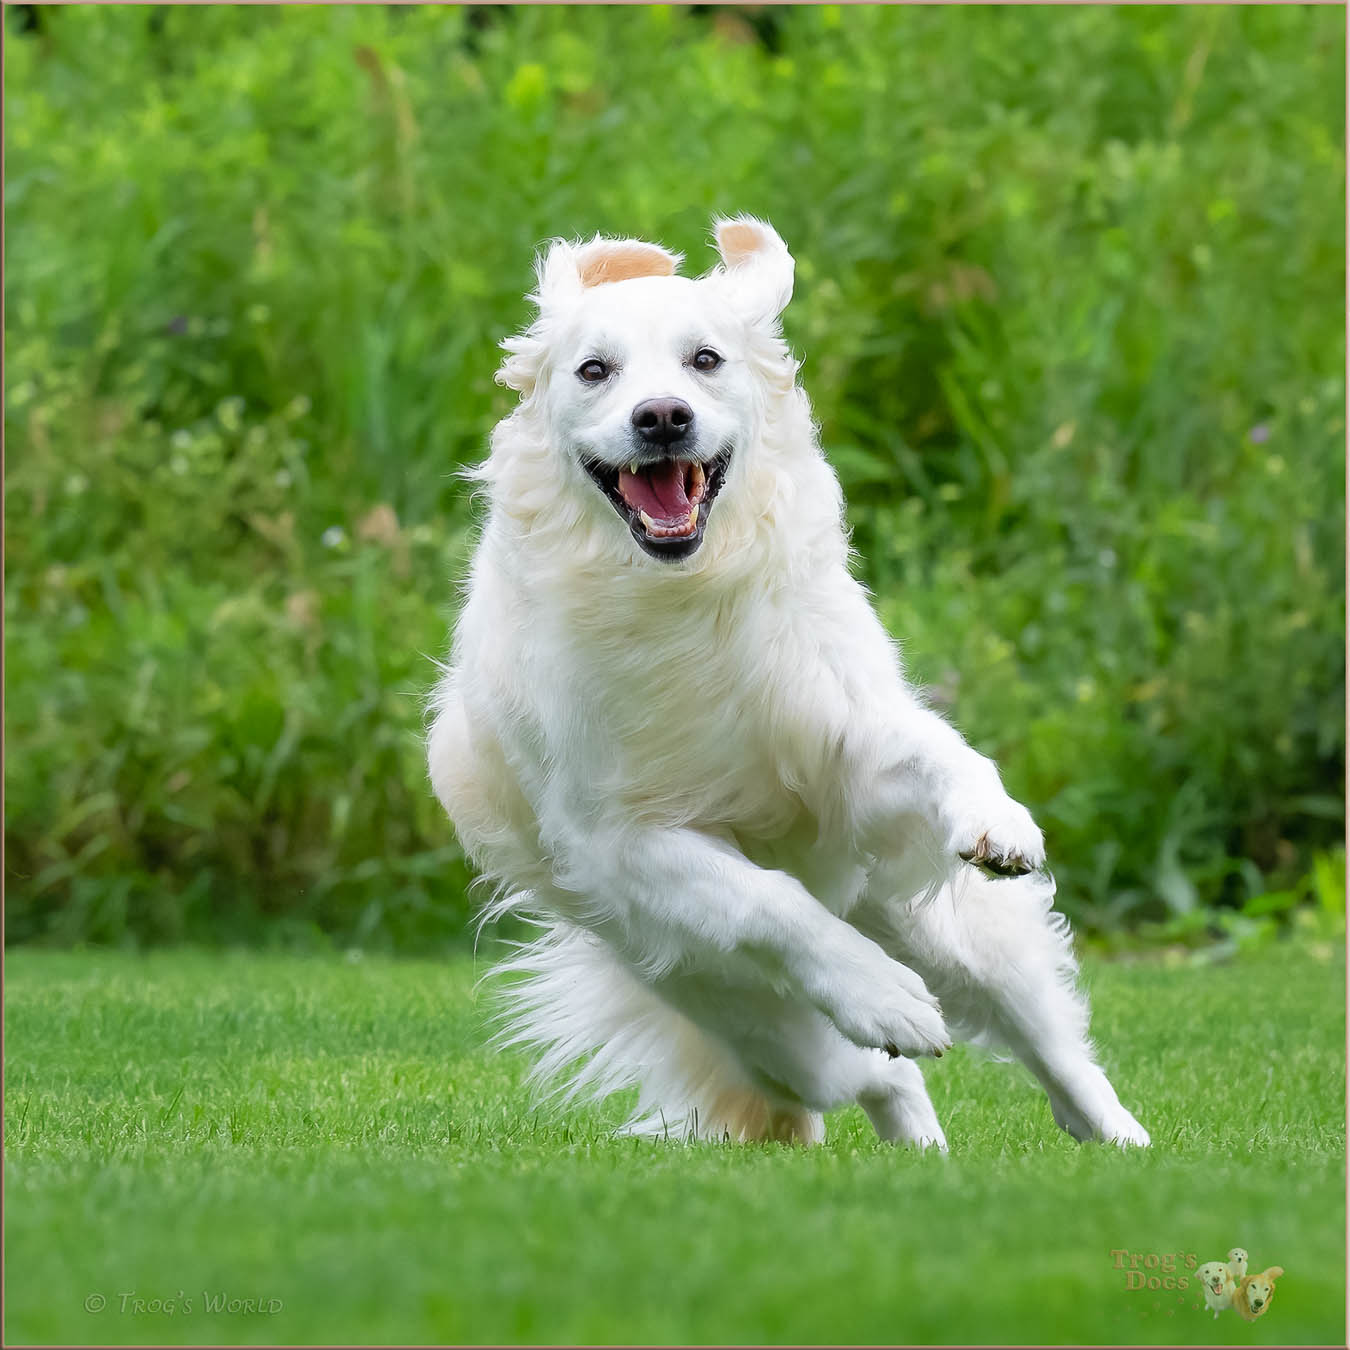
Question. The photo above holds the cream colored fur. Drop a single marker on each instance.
(1255, 1293)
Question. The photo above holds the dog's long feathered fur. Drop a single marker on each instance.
(707, 781)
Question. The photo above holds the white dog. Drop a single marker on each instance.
(1218, 1285)
(675, 735)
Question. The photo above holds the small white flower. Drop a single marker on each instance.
(334, 536)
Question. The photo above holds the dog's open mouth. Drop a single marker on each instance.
(666, 502)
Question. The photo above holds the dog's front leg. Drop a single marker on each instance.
(915, 764)
(668, 898)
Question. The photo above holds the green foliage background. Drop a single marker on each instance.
(1070, 294)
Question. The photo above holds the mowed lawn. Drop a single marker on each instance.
(329, 1139)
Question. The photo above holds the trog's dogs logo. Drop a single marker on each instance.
(1224, 1284)
(1227, 1285)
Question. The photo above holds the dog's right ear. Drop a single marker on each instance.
(567, 269)
(563, 271)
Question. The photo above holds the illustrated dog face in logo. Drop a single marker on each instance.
(1218, 1284)
(1255, 1293)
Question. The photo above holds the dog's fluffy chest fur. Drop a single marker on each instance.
(672, 696)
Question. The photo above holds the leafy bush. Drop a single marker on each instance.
(1070, 297)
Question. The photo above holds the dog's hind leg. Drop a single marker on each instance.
(1001, 963)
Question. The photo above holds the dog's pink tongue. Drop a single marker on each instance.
(657, 489)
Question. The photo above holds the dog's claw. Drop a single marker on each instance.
(1012, 865)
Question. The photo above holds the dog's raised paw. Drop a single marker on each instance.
(1002, 840)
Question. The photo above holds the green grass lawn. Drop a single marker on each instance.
(329, 1138)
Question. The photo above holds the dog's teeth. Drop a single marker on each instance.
(693, 517)
(648, 523)
(632, 468)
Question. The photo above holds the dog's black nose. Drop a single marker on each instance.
(663, 421)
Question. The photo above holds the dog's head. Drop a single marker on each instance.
(1237, 1261)
(1215, 1277)
(647, 387)
(1256, 1291)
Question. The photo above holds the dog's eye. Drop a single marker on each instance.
(592, 371)
(706, 360)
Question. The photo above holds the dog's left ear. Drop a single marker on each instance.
(757, 267)
(1272, 1274)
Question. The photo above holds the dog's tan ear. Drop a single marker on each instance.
(756, 265)
(1272, 1274)
(564, 269)
(605, 260)
(567, 269)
